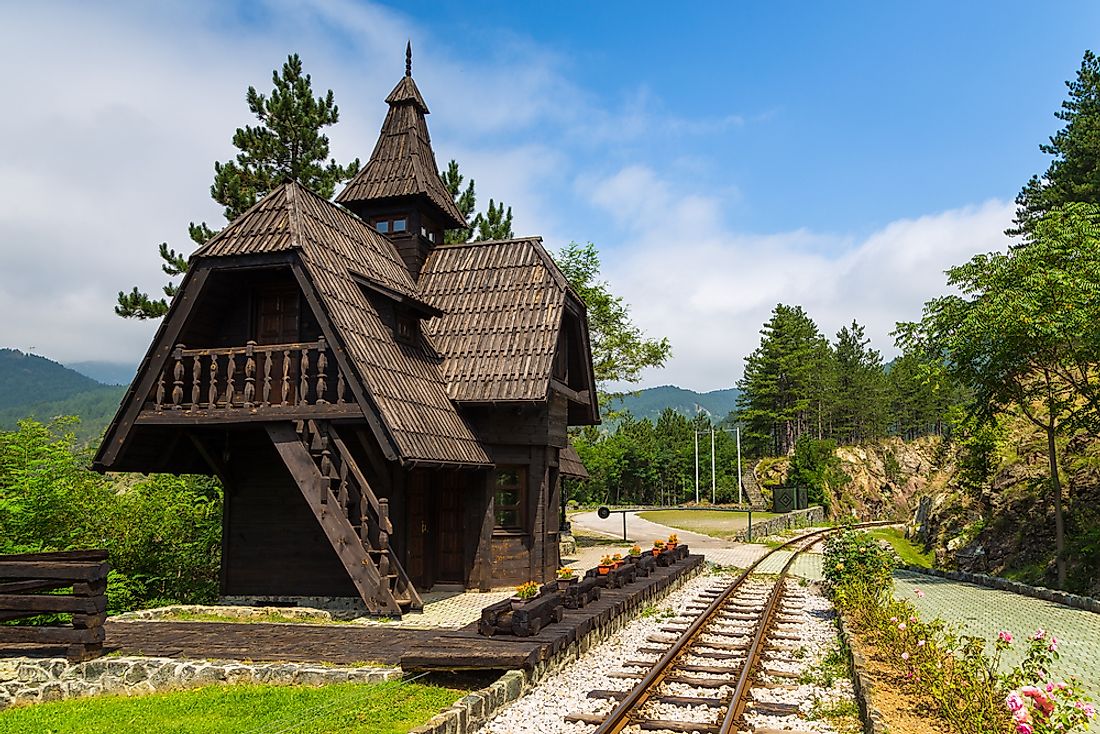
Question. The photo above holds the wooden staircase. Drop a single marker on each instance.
(354, 519)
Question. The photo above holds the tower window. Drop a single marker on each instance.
(400, 225)
(382, 225)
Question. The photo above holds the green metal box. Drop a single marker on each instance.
(784, 499)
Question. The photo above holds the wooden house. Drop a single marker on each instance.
(386, 412)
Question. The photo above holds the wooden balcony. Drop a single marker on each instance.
(254, 382)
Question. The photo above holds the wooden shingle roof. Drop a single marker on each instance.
(403, 163)
(570, 464)
(503, 304)
(336, 249)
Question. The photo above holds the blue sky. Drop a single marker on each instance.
(723, 156)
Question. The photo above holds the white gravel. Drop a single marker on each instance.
(805, 613)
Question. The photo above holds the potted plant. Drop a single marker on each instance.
(673, 541)
(658, 547)
(605, 566)
(617, 560)
(524, 593)
(566, 578)
(635, 552)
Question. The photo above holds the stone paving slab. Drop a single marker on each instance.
(982, 611)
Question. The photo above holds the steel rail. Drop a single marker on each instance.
(620, 716)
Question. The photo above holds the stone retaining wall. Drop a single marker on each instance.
(471, 712)
(32, 680)
(1087, 603)
(862, 684)
(786, 521)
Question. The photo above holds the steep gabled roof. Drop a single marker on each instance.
(503, 305)
(336, 249)
(403, 163)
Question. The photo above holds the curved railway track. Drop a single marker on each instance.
(720, 651)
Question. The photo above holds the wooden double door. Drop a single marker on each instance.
(435, 539)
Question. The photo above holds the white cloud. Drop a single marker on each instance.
(710, 289)
(123, 109)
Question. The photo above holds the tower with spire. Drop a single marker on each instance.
(399, 190)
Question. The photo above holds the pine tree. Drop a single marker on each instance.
(494, 224)
(287, 145)
(782, 390)
(860, 398)
(1074, 174)
(465, 200)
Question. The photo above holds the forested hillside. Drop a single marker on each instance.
(652, 401)
(39, 388)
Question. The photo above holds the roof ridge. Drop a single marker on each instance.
(480, 243)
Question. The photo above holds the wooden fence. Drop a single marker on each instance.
(28, 588)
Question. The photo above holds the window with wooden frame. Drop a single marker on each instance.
(407, 327)
(510, 497)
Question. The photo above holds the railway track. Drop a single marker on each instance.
(705, 668)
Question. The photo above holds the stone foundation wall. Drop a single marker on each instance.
(786, 521)
(33, 680)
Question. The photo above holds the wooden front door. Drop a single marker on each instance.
(277, 321)
(416, 531)
(450, 551)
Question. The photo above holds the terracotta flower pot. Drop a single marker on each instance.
(603, 570)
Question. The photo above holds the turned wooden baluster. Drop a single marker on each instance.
(160, 393)
(326, 470)
(230, 374)
(286, 377)
(249, 373)
(383, 536)
(177, 378)
(342, 494)
(339, 385)
(303, 378)
(322, 365)
(196, 379)
(212, 391)
(267, 378)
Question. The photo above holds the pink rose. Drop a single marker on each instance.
(905, 656)
(1005, 636)
(1014, 702)
(1024, 728)
(1053, 646)
(919, 593)
(901, 626)
(1039, 634)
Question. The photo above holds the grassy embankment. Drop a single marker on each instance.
(909, 553)
(346, 708)
(716, 523)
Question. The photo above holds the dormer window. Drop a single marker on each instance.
(385, 226)
(406, 328)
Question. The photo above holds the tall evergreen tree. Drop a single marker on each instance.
(1074, 174)
(465, 200)
(287, 144)
(494, 224)
(781, 389)
(859, 403)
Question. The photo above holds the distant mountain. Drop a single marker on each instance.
(39, 388)
(649, 403)
(109, 373)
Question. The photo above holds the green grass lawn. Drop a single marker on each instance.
(907, 551)
(715, 523)
(345, 708)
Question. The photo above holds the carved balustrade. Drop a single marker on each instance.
(253, 378)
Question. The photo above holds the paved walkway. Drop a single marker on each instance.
(982, 612)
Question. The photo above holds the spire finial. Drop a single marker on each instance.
(409, 58)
